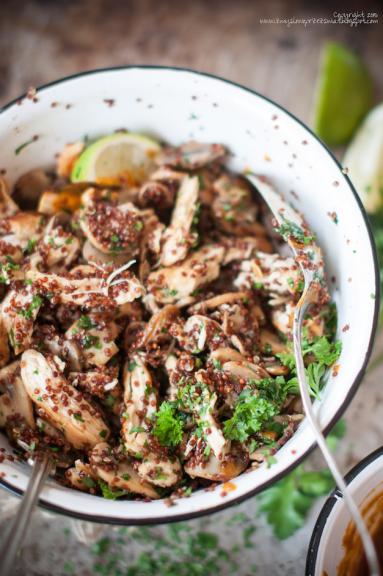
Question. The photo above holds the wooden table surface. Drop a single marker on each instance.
(43, 40)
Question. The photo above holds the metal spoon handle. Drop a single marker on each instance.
(349, 501)
(20, 523)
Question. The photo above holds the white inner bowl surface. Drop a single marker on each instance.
(176, 106)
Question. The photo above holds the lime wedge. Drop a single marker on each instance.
(364, 160)
(120, 157)
(343, 94)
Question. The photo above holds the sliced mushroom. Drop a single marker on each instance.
(30, 186)
(216, 301)
(159, 322)
(191, 155)
(95, 339)
(218, 470)
(245, 370)
(81, 476)
(223, 355)
(46, 338)
(7, 206)
(64, 406)
(233, 208)
(15, 401)
(270, 343)
(120, 475)
(91, 254)
(178, 237)
(175, 283)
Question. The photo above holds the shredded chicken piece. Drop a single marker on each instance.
(140, 399)
(66, 409)
(178, 237)
(175, 283)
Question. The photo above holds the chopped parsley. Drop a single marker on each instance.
(132, 365)
(77, 416)
(289, 229)
(217, 364)
(252, 411)
(88, 482)
(31, 244)
(89, 341)
(168, 292)
(168, 428)
(86, 323)
(137, 429)
(34, 305)
(109, 493)
(324, 354)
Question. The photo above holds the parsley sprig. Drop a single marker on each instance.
(168, 427)
(324, 353)
(252, 411)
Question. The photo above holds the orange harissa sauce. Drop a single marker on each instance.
(354, 562)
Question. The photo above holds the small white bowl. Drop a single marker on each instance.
(325, 550)
(177, 105)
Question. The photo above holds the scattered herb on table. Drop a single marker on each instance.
(287, 502)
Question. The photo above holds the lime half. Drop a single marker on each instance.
(120, 157)
(343, 94)
(364, 160)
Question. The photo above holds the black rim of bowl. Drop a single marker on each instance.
(354, 386)
(328, 506)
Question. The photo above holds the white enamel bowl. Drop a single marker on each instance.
(325, 550)
(178, 105)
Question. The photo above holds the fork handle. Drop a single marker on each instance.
(14, 539)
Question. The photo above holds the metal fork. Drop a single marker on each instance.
(42, 465)
(309, 258)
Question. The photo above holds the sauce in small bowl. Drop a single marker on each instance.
(335, 548)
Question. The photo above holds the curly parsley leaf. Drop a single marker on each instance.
(110, 494)
(168, 427)
(86, 323)
(252, 411)
(324, 352)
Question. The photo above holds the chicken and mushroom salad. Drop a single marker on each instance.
(145, 323)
